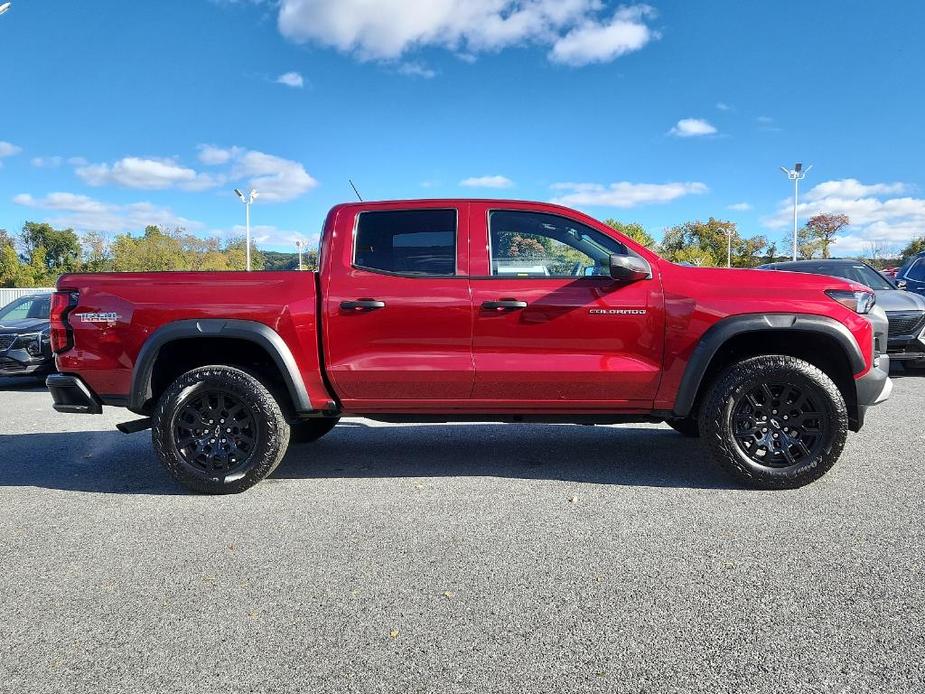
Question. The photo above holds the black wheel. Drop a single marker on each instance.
(775, 422)
(218, 430)
(688, 426)
(308, 430)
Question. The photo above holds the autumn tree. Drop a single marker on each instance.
(706, 243)
(915, 246)
(819, 233)
(633, 230)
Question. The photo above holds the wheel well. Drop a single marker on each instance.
(179, 356)
(819, 349)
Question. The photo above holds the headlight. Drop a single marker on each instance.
(858, 301)
(31, 342)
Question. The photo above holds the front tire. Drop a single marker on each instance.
(775, 422)
(218, 430)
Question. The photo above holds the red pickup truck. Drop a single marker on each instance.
(447, 310)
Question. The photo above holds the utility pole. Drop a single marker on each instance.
(248, 201)
(796, 174)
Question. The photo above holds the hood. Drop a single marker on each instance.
(897, 300)
(24, 325)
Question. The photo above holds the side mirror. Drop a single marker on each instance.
(629, 268)
(900, 284)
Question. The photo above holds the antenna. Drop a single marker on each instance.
(359, 197)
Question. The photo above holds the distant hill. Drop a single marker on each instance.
(274, 260)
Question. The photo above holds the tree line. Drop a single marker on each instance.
(41, 253)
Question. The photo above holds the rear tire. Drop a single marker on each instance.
(218, 430)
(308, 430)
(688, 427)
(775, 422)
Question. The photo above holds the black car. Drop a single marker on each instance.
(912, 274)
(24, 346)
(904, 310)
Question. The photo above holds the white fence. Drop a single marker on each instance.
(8, 295)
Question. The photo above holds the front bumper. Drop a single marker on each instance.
(72, 395)
(873, 387)
(18, 362)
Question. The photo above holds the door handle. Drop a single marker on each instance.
(504, 305)
(362, 305)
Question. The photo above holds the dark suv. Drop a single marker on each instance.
(912, 274)
(24, 344)
(904, 309)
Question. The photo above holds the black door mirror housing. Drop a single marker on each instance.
(629, 268)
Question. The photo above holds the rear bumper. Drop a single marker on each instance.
(72, 395)
(873, 387)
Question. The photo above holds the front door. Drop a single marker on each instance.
(552, 329)
(398, 318)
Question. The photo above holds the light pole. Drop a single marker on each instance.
(729, 247)
(248, 201)
(796, 174)
(298, 245)
(4, 6)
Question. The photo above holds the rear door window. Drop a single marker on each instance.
(407, 242)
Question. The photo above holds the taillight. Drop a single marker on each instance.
(62, 337)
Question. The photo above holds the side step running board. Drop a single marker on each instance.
(135, 426)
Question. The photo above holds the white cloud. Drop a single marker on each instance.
(692, 127)
(47, 162)
(723, 106)
(291, 79)
(8, 149)
(487, 182)
(740, 207)
(875, 217)
(416, 70)
(624, 194)
(210, 155)
(277, 179)
(578, 31)
(148, 174)
(593, 42)
(84, 213)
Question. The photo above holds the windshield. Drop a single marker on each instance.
(27, 307)
(856, 272)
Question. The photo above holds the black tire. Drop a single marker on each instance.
(308, 430)
(191, 444)
(688, 427)
(775, 422)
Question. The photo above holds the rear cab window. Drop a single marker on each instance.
(407, 242)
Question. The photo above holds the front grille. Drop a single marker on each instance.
(906, 322)
(6, 341)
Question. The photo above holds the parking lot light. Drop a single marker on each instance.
(796, 174)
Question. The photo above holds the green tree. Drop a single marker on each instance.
(236, 253)
(633, 230)
(62, 248)
(10, 265)
(156, 250)
(6, 239)
(916, 245)
(95, 253)
(819, 234)
(705, 243)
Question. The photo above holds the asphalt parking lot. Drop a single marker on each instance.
(445, 558)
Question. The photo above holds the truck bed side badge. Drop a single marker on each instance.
(97, 317)
(617, 311)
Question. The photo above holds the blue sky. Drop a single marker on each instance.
(114, 114)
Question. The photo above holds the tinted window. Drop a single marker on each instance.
(408, 242)
(531, 244)
(917, 271)
(27, 308)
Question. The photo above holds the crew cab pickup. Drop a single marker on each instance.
(481, 310)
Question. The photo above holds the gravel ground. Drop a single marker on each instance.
(452, 558)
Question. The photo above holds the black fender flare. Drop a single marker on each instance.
(719, 333)
(252, 331)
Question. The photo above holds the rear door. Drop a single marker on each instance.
(552, 329)
(398, 316)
